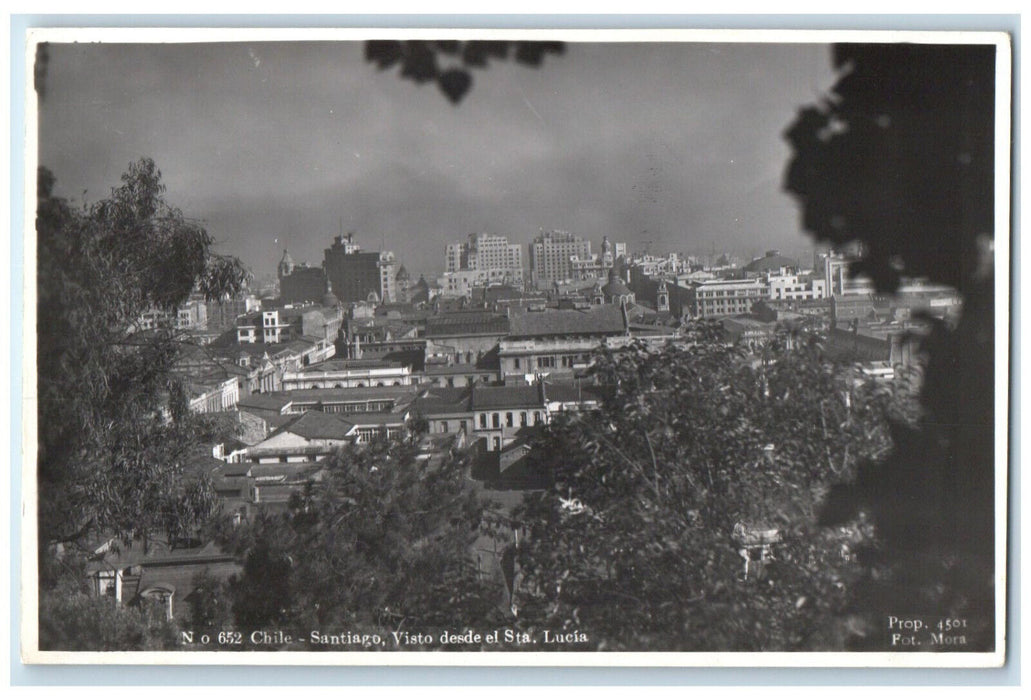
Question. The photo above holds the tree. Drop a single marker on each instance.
(382, 541)
(71, 618)
(421, 61)
(209, 606)
(109, 459)
(114, 428)
(900, 159)
(698, 454)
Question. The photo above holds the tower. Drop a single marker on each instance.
(662, 298)
(286, 265)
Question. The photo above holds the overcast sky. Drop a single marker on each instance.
(277, 145)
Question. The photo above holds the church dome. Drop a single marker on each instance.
(614, 288)
(773, 260)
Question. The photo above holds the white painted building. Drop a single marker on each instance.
(347, 374)
(793, 286)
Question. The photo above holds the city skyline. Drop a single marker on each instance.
(281, 145)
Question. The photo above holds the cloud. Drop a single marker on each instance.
(676, 144)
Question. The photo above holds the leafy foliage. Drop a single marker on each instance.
(109, 460)
(209, 604)
(383, 540)
(73, 619)
(448, 63)
(900, 158)
(696, 445)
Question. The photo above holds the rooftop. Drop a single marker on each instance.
(599, 320)
(470, 323)
(265, 402)
(773, 260)
(442, 399)
(569, 393)
(343, 365)
(488, 397)
(315, 425)
(341, 395)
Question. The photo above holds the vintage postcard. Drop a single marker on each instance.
(632, 348)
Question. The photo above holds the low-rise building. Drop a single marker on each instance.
(346, 374)
(500, 412)
(558, 343)
(277, 407)
(281, 325)
(157, 576)
(724, 297)
(309, 437)
(794, 286)
(463, 336)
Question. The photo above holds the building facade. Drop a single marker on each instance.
(724, 297)
(345, 374)
(483, 260)
(300, 283)
(357, 276)
(552, 254)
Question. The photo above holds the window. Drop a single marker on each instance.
(509, 421)
(497, 420)
(483, 420)
(515, 363)
(443, 426)
(497, 444)
(522, 419)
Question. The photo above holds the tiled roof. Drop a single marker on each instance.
(156, 552)
(342, 365)
(442, 400)
(315, 425)
(291, 471)
(489, 397)
(599, 320)
(475, 323)
(362, 393)
(265, 402)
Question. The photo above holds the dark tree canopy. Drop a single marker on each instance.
(638, 542)
(449, 64)
(383, 541)
(900, 159)
(110, 461)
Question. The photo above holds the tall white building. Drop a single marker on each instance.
(552, 254)
(485, 259)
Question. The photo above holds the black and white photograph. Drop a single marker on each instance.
(516, 347)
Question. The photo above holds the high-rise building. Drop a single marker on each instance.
(300, 283)
(484, 260)
(551, 256)
(358, 276)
